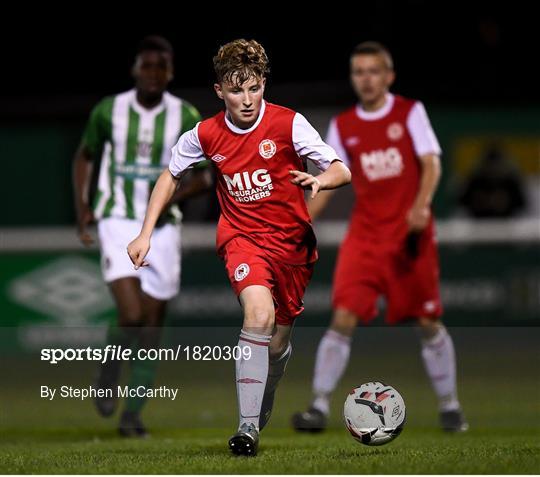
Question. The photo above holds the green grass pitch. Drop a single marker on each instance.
(499, 388)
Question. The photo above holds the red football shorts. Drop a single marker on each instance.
(247, 264)
(408, 280)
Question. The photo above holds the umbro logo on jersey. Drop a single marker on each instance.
(352, 141)
(395, 131)
(267, 148)
(218, 158)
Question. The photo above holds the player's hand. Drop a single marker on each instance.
(84, 219)
(418, 218)
(305, 180)
(137, 251)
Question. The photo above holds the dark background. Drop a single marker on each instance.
(473, 64)
(445, 52)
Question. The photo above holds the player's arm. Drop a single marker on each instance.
(199, 184)
(161, 196)
(92, 141)
(82, 172)
(320, 201)
(185, 154)
(316, 205)
(419, 214)
(428, 153)
(309, 144)
(335, 176)
(201, 177)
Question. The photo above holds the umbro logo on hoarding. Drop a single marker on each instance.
(69, 289)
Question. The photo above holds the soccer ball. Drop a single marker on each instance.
(374, 413)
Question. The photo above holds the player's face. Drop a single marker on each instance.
(243, 102)
(371, 77)
(153, 70)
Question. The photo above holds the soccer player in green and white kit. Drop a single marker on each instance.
(133, 133)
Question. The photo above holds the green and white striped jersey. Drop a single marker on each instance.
(135, 145)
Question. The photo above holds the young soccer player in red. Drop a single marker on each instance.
(393, 154)
(264, 234)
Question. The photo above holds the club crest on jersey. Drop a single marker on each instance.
(144, 149)
(218, 158)
(395, 131)
(267, 148)
(241, 272)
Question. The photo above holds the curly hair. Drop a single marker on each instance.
(239, 61)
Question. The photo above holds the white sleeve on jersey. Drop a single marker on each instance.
(334, 141)
(308, 143)
(187, 152)
(424, 139)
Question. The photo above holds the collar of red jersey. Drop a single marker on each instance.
(238, 130)
(379, 113)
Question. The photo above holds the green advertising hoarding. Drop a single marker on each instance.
(492, 285)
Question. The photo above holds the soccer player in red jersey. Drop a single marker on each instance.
(388, 144)
(264, 234)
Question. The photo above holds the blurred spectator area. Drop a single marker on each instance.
(39, 137)
(497, 177)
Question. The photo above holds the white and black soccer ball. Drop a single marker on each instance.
(374, 413)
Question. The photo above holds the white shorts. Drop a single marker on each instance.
(161, 279)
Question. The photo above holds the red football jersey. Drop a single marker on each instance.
(382, 149)
(257, 199)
